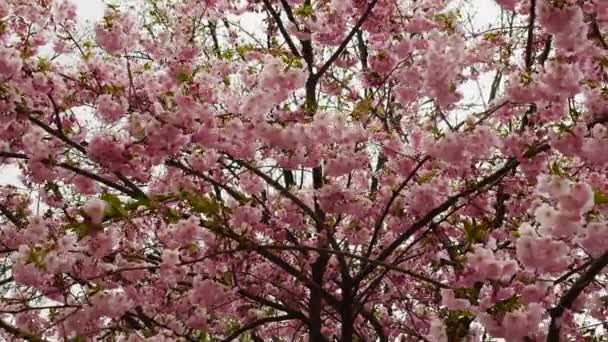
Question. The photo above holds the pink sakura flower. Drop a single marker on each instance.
(521, 323)
(441, 71)
(4, 9)
(101, 244)
(36, 145)
(187, 231)
(245, 216)
(594, 149)
(382, 63)
(423, 198)
(37, 230)
(65, 11)
(486, 265)
(85, 185)
(534, 293)
(437, 331)
(570, 143)
(252, 183)
(10, 62)
(556, 20)
(546, 216)
(481, 142)
(553, 186)
(94, 209)
(28, 274)
(118, 34)
(579, 200)
(449, 300)
(419, 24)
(594, 238)
(170, 258)
(111, 109)
(560, 80)
(110, 304)
(541, 253)
(206, 292)
(59, 262)
(450, 149)
(107, 150)
(199, 319)
(602, 10)
(344, 164)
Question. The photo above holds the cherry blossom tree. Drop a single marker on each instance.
(325, 176)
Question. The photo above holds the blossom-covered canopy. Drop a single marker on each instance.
(288, 170)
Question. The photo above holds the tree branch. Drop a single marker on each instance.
(19, 333)
(428, 218)
(257, 324)
(284, 33)
(569, 297)
(344, 44)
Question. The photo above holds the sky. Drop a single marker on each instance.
(89, 10)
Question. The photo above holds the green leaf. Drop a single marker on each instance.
(304, 11)
(556, 169)
(227, 54)
(134, 205)
(36, 257)
(81, 229)
(507, 305)
(457, 323)
(475, 232)
(202, 204)
(361, 109)
(183, 77)
(43, 64)
(115, 207)
(600, 197)
(173, 216)
(203, 337)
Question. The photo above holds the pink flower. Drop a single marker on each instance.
(85, 185)
(94, 210)
(108, 151)
(449, 300)
(594, 238)
(602, 10)
(10, 62)
(437, 331)
(579, 200)
(4, 9)
(111, 109)
(187, 231)
(541, 253)
(118, 34)
(419, 24)
(101, 244)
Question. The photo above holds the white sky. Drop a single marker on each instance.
(89, 10)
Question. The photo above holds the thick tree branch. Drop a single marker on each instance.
(19, 333)
(571, 295)
(12, 218)
(529, 52)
